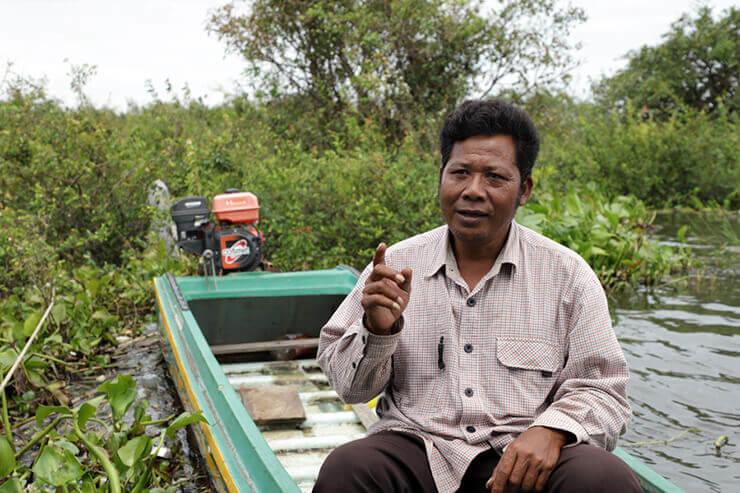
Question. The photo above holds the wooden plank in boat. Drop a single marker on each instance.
(273, 404)
(262, 346)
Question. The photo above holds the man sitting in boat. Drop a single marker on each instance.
(491, 346)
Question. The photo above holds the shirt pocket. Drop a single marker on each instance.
(527, 375)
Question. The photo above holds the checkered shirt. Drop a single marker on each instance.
(531, 345)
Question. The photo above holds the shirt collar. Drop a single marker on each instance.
(442, 254)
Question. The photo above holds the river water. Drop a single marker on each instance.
(682, 342)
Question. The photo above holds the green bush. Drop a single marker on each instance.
(76, 173)
(78, 178)
(690, 159)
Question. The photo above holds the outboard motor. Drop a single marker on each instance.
(231, 243)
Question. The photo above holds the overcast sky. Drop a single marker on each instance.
(133, 41)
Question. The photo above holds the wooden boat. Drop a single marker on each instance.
(221, 337)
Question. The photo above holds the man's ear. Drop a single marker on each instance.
(525, 191)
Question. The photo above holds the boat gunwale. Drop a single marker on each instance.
(234, 469)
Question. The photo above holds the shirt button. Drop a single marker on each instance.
(470, 429)
(470, 302)
(468, 348)
(469, 392)
(364, 339)
(354, 365)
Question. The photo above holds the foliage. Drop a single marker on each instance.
(25, 255)
(395, 60)
(690, 158)
(316, 207)
(93, 305)
(78, 451)
(61, 166)
(609, 234)
(696, 66)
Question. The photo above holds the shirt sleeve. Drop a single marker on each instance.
(591, 401)
(356, 361)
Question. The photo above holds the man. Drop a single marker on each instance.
(491, 345)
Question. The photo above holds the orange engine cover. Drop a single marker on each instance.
(241, 207)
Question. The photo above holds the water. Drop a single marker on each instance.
(683, 346)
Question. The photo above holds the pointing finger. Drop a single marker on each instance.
(379, 257)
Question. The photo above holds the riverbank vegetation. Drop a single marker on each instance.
(338, 141)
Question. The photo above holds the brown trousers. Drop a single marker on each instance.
(394, 462)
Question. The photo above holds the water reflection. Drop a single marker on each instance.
(683, 345)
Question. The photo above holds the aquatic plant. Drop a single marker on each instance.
(86, 449)
(611, 235)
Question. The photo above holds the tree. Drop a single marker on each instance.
(697, 65)
(394, 59)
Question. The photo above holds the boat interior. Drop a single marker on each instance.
(263, 328)
(266, 346)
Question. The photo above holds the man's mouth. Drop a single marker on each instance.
(472, 214)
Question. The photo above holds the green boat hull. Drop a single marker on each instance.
(196, 313)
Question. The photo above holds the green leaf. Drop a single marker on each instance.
(102, 316)
(7, 358)
(67, 445)
(11, 486)
(573, 204)
(681, 234)
(134, 449)
(36, 377)
(116, 439)
(140, 411)
(183, 420)
(35, 362)
(87, 344)
(30, 324)
(43, 411)
(87, 486)
(120, 393)
(59, 313)
(87, 410)
(57, 467)
(34, 299)
(28, 396)
(53, 339)
(598, 251)
(7, 457)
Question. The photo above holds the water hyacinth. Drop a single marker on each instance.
(611, 235)
(91, 447)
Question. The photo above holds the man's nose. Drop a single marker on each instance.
(474, 188)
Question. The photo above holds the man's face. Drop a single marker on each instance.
(480, 190)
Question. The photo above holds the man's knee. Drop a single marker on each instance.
(354, 466)
(590, 469)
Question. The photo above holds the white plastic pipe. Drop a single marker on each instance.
(312, 443)
(336, 418)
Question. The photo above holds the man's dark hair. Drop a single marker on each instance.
(491, 117)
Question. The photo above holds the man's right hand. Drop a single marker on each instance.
(386, 294)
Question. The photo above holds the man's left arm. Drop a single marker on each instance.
(590, 404)
(591, 401)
